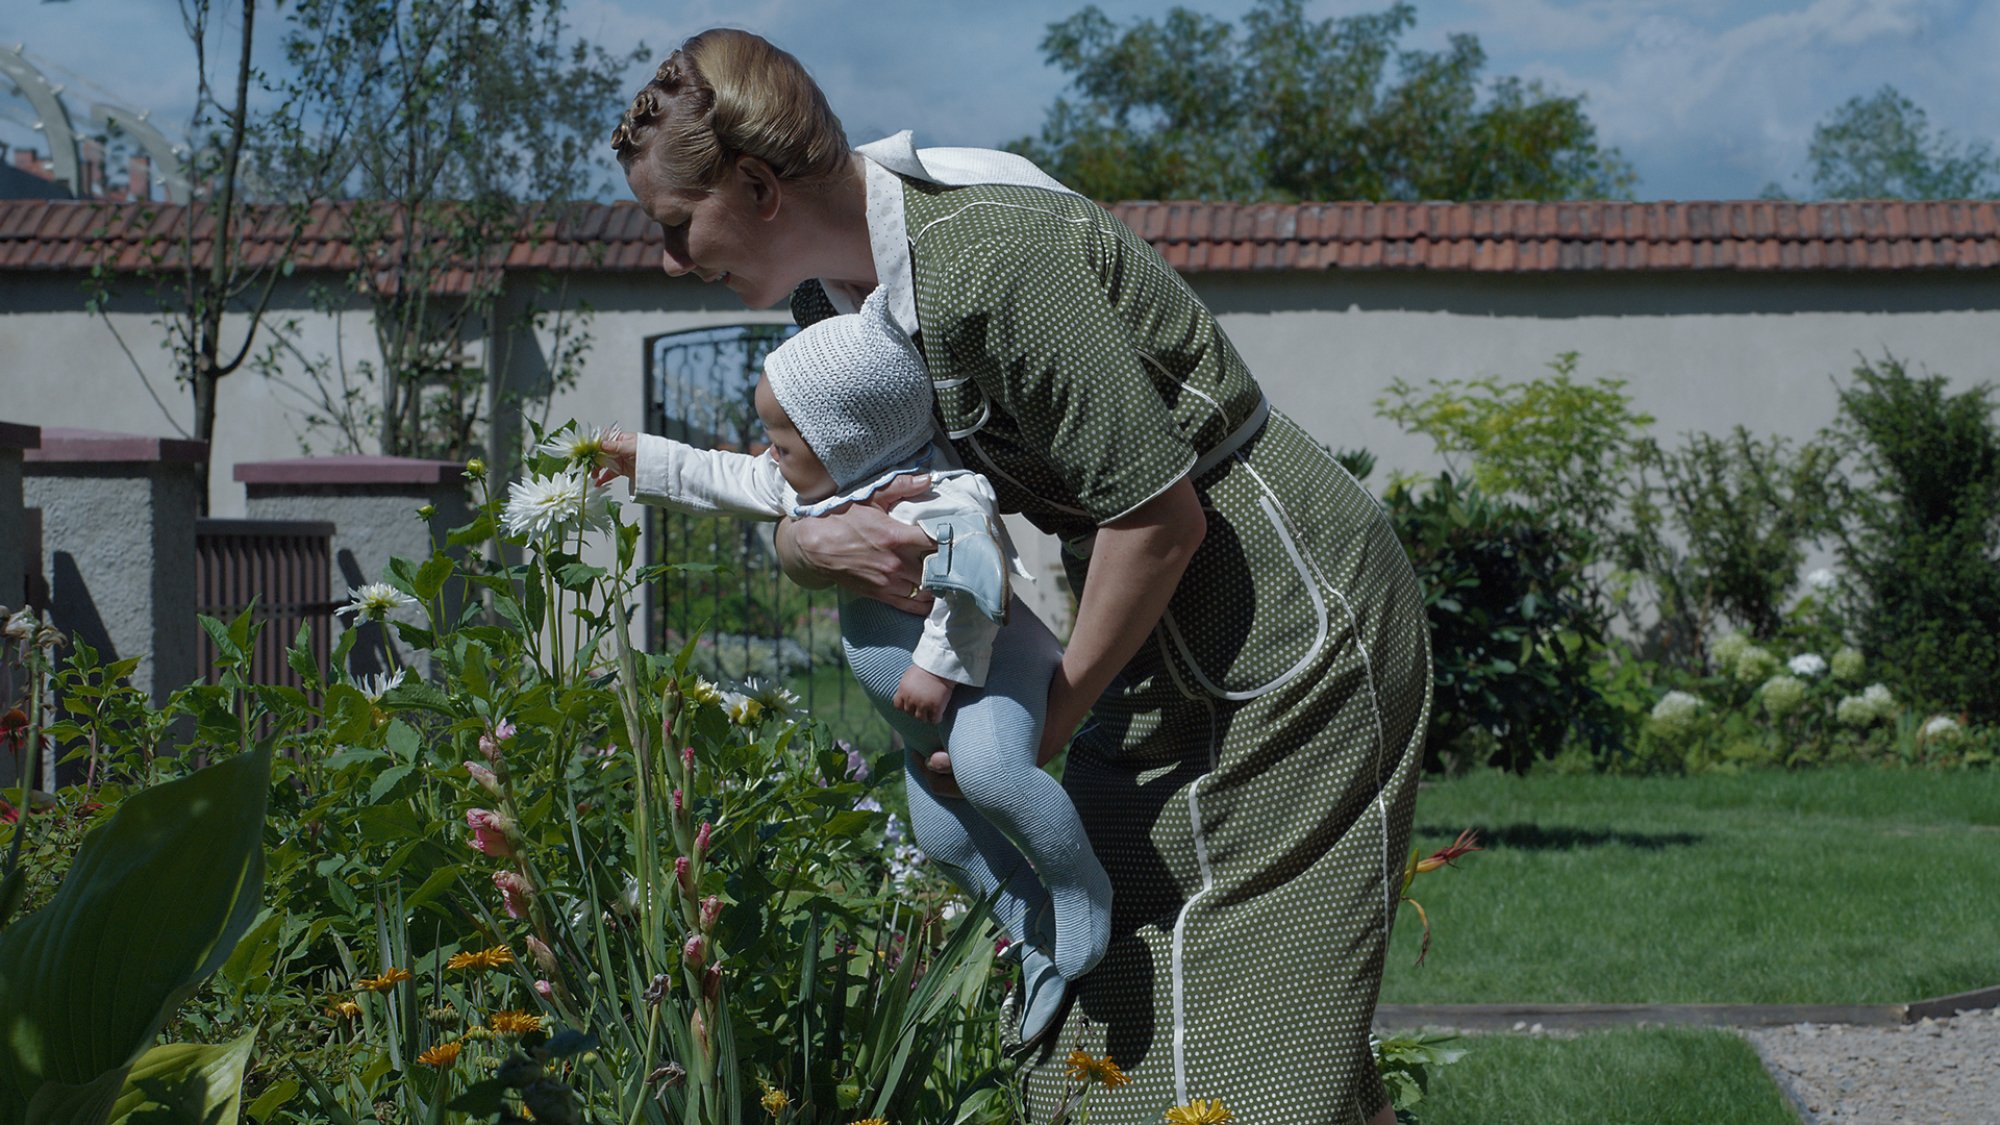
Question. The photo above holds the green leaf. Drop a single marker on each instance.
(481, 1099)
(478, 531)
(434, 886)
(271, 1100)
(227, 651)
(431, 577)
(385, 781)
(155, 901)
(194, 1082)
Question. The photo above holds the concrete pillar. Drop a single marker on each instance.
(14, 539)
(116, 559)
(372, 503)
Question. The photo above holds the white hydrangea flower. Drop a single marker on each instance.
(1726, 650)
(378, 685)
(1675, 712)
(1848, 663)
(543, 505)
(1822, 580)
(1854, 711)
(1879, 697)
(579, 447)
(1942, 726)
(375, 601)
(1754, 665)
(1806, 664)
(1782, 695)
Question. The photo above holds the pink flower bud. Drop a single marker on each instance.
(515, 893)
(684, 875)
(545, 958)
(677, 802)
(486, 778)
(711, 983)
(492, 832)
(699, 1027)
(711, 909)
(687, 757)
(694, 951)
(545, 989)
(701, 839)
(489, 743)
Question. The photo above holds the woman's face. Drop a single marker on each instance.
(723, 234)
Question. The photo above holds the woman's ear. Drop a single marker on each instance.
(766, 191)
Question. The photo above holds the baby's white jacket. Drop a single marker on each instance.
(957, 642)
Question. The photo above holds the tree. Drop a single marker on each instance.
(1188, 107)
(213, 301)
(1883, 147)
(473, 126)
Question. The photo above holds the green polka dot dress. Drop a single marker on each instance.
(1248, 779)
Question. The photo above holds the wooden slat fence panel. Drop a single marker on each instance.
(284, 567)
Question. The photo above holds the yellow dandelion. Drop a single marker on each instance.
(389, 979)
(344, 1010)
(514, 1022)
(1083, 1068)
(482, 959)
(775, 1101)
(442, 1055)
(870, 1121)
(1200, 1111)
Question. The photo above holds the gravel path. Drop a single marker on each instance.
(1938, 1072)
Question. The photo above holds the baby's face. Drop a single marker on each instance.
(796, 460)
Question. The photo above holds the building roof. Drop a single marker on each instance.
(1194, 237)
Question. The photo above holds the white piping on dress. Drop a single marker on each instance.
(970, 204)
(1381, 737)
(1175, 970)
(1306, 571)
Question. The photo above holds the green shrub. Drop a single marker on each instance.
(1718, 527)
(1920, 509)
(1513, 634)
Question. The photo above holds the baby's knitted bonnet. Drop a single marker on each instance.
(857, 390)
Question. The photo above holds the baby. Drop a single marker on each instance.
(846, 405)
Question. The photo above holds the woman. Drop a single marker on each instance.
(1249, 643)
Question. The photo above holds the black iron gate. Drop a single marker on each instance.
(747, 621)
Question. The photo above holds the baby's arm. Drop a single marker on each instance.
(923, 694)
(710, 482)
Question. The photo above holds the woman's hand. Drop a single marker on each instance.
(862, 549)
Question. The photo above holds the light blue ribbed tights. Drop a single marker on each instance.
(1013, 815)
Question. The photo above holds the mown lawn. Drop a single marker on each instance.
(1658, 1076)
(1828, 886)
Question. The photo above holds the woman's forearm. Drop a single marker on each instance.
(862, 549)
(793, 562)
(1135, 565)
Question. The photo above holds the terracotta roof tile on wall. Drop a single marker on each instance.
(1482, 237)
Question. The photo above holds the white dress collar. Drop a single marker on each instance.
(897, 156)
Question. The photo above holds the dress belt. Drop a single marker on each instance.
(1079, 546)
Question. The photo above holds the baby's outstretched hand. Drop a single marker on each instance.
(617, 460)
(923, 695)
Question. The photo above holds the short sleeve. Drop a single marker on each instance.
(1041, 337)
(810, 304)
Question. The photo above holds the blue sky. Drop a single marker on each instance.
(1708, 98)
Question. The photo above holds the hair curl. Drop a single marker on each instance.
(727, 93)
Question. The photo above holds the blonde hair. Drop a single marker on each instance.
(727, 93)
